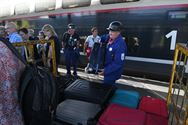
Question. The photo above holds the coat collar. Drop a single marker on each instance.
(116, 40)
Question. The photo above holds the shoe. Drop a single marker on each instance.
(68, 76)
(76, 77)
(90, 69)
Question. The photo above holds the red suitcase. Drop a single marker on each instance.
(120, 115)
(154, 106)
(155, 120)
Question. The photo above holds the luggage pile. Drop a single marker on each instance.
(87, 103)
(83, 103)
(128, 108)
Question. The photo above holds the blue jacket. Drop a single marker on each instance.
(104, 38)
(115, 59)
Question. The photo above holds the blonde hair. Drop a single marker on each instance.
(11, 25)
(50, 28)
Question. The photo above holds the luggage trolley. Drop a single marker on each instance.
(179, 87)
(29, 45)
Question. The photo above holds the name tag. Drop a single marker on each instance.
(123, 56)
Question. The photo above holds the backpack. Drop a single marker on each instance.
(37, 93)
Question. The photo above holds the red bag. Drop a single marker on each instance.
(154, 106)
(155, 120)
(120, 115)
(88, 51)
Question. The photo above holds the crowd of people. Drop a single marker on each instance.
(11, 67)
(70, 42)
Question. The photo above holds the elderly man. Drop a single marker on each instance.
(13, 35)
(115, 54)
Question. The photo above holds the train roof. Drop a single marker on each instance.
(11, 9)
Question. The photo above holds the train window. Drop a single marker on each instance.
(75, 3)
(133, 44)
(21, 8)
(5, 11)
(43, 5)
(178, 15)
(116, 1)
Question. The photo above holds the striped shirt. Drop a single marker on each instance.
(15, 38)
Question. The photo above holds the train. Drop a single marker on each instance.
(151, 27)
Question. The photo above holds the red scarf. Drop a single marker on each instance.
(110, 41)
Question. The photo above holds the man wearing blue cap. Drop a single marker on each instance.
(115, 54)
(70, 44)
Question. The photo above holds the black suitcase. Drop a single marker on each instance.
(76, 112)
(62, 82)
(91, 92)
(97, 57)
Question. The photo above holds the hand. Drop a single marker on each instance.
(101, 72)
(48, 63)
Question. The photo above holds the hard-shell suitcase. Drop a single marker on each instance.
(154, 106)
(155, 120)
(91, 92)
(120, 115)
(62, 82)
(126, 98)
(76, 112)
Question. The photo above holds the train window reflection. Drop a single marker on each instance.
(116, 1)
(22, 8)
(178, 15)
(43, 5)
(133, 44)
(5, 11)
(75, 3)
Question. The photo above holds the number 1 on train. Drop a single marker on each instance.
(173, 35)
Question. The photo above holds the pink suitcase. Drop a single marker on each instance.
(155, 120)
(154, 106)
(120, 115)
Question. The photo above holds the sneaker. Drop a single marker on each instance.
(76, 77)
(90, 69)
